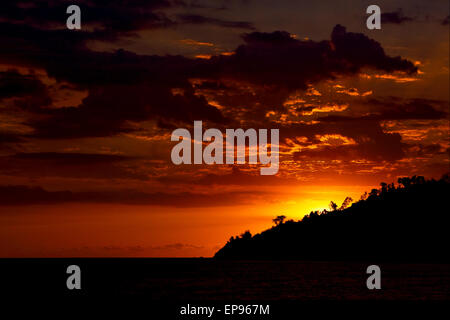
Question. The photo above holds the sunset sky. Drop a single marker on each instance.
(86, 116)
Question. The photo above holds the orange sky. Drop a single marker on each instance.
(102, 230)
(86, 117)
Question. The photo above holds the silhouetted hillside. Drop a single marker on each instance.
(409, 221)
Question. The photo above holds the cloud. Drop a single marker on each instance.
(395, 17)
(235, 177)
(11, 195)
(28, 90)
(106, 111)
(72, 158)
(124, 87)
(360, 51)
(391, 150)
(116, 18)
(265, 58)
(6, 139)
(113, 16)
(426, 150)
(71, 165)
(199, 19)
(191, 42)
(445, 21)
(396, 109)
(280, 60)
(268, 67)
(371, 141)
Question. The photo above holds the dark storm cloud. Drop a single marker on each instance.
(266, 58)
(59, 52)
(395, 17)
(367, 151)
(415, 109)
(71, 165)
(235, 177)
(360, 51)
(280, 60)
(28, 195)
(124, 86)
(393, 108)
(372, 143)
(384, 147)
(199, 19)
(251, 105)
(6, 138)
(72, 158)
(426, 150)
(64, 55)
(114, 16)
(277, 64)
(106, 110)
(29, 90)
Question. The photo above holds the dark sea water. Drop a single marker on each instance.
(211, 280)
(289, 280)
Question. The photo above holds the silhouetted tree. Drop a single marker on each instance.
(333, 206)
(417, 180)
(374, 193)
(279, 220)
(405, 182)
(346, 203)
(246, 235)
